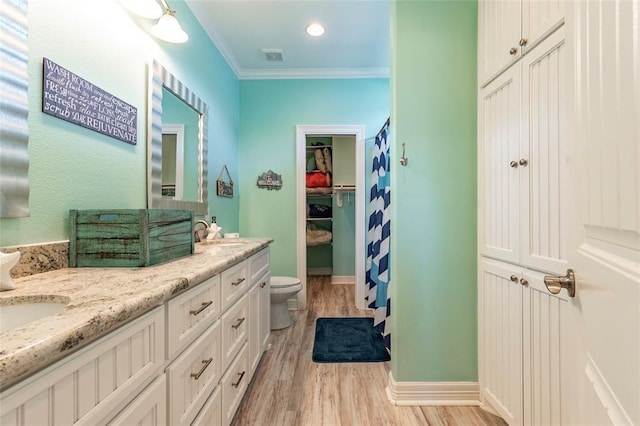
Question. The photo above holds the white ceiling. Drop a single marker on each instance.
(355, 42)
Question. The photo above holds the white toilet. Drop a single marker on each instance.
(282, 289)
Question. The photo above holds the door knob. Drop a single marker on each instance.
(514, 278)
(513, 51)
(555, 284)
(513, 164)
(524, 282)
(523, 42)
(523, 162)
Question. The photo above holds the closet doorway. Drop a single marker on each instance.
(302, 134)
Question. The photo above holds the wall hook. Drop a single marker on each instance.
(404, 160)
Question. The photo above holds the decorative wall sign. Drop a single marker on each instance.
(73, 99)
(224, 189)
(270, 180)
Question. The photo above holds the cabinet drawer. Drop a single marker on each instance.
(258, 265)
(234, 384)
(193, 375)
(211, 413)
(189, 314)
(89, 385)
(234, 283)
(234, 325)
(149, 408)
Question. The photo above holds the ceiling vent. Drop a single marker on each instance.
(274, 55)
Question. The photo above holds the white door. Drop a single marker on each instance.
(604, 245)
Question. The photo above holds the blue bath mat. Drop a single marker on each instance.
(348, 340)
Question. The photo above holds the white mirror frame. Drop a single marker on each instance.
(159, 77)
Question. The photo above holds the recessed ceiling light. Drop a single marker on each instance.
(315, 30)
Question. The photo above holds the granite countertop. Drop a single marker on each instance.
(102, 299)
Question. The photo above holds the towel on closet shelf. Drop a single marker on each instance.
(318, 211)
(318, 179)
(319, 156)
(317, 236)
(319, 191)
(326, 155)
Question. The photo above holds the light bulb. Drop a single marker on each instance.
(168, 29)
(315, 30)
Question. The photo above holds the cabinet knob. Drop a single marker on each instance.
(524, 282)
(513, 51)
(523, 162)
(514, 278)
(523, 42)
(513, 164)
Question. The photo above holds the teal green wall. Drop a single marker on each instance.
(270, 111)
(433, 225)
(344, 218)
(344, 236)
(72, 167)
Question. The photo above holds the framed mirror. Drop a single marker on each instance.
(171, 105)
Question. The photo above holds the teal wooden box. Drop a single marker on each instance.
(121, 238)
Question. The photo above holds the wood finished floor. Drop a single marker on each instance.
(289, 389)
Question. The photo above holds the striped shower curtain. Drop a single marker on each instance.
(377, 274)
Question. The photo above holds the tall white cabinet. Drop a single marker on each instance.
(521, 209)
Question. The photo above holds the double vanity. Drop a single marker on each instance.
(175, 343)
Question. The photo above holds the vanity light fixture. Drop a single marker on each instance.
(315, 29)
(168, 28)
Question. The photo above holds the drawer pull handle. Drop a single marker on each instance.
(235, 283)
(263, 284)
(206, 363)
(204, 306)
(236, 384)
(240, 321)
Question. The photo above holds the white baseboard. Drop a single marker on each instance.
(433, 393)
(343, 279)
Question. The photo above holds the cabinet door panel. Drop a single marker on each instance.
(148, 409)
(500, 338)
(265, 310)
(543, 181)
(539, 19)
(255, 350)
(546, 351)
(72, 390)
(499, 124)
(498, 32)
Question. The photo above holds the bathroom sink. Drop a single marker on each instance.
(20, 310)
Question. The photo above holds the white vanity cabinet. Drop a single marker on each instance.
(92, 385)
(209, 371)
(184, 363)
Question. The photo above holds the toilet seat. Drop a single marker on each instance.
(283, 282)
